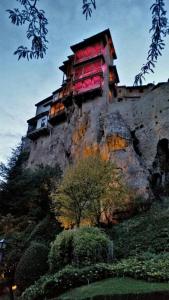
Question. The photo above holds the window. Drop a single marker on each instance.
(43, 122)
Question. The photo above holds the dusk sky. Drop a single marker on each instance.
(23, 83)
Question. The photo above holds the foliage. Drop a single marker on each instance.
(42, 181)
(84, 246)
(160, 29)
(31, 266)
(14, 164)
(15, 230)
(37, 28)
(52, 285)
(23, 190)
(152, 269)
(148, 231)
(87, 10)
(45, 231)
(20, 232)
(89, 192)
(61, 250)
(90, 246)
(24, 203)
(9, 174)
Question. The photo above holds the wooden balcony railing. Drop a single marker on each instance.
(56, 109)
(87, 57)
(87, 85)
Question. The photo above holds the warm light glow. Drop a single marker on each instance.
(116, 142)
(91, 150)
(112, 143)
(110, 95)
(79, 133)
(112, 76)
(14, 287)
(56, 108)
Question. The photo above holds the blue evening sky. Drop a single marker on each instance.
(24, 83)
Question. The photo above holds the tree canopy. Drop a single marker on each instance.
(23, 190)
(89, 193)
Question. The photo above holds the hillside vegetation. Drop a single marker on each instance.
(147, 232)
(48, 260)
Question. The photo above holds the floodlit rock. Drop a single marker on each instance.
(126, 132)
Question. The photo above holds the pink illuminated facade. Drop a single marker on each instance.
(87, 74)
(90, 67)
(92, 59)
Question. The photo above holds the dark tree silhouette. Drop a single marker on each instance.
(87, 7)
(37, 28)
(37, 31)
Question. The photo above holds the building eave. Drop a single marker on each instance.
(44, 100)
(34, 119)
(92, 39)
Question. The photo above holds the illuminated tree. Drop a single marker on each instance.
(89, 192)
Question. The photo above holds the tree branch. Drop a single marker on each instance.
(37, 29)
(160, 29)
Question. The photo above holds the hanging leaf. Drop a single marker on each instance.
(160, 29)
(36, 32)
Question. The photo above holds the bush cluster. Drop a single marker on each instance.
(31, 266)
(50, 286)
(44, 231)
(148, 267)
(146, 232)
(80, 247)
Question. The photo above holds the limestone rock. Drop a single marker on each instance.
(126, 132)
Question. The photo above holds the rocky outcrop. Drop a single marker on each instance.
(126, 132)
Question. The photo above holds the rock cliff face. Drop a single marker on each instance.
(133, 132)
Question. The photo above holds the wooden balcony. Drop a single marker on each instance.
(78, 77)
(34, 133)
(91, 92)
(89, 58)
(57, 113)
(88, 85)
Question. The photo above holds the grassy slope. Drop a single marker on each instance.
(113, 286)
(148, 231)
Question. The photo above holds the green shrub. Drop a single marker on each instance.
(91, 245)
(45, 231)
(61, 250)
(148, 267)
(52, 285)
(31, 266)
(80, 247)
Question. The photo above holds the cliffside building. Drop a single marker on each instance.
(87, 73)
(91, 114)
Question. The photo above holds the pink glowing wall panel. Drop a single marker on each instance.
(88, 52)
(88, 84)
(88, 69)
